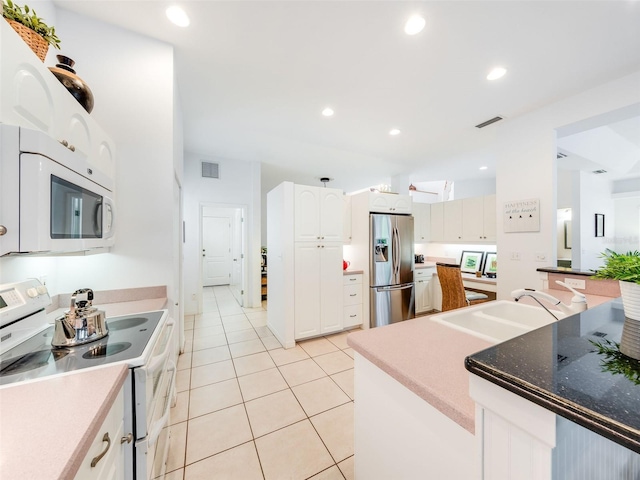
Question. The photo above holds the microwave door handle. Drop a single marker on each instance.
(158, 425)
(109, 214)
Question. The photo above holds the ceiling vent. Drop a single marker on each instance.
(210, 170)
(561, 155)
(489, 122)
(599, 172)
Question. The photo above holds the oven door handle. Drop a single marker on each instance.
(156, 429)
(160, 359)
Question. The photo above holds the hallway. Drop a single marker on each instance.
(249, 409)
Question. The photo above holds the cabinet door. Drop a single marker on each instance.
(379, 202)
(331, 214)
(306, 213)
(401, 204)
(453, 221)
(436, 232)
(473, 219)
(423, 278)
(421, 223)
(331, 287)
(490, 218)
(307, 301)
(346, 218)
(111, 465)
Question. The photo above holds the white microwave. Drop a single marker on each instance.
(51, 200)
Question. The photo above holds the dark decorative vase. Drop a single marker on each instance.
(76, 86)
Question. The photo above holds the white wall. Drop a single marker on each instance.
(526, 169)
(132, 80)
(627, 232)
(474, 188)
(238, 186)
(595, 197)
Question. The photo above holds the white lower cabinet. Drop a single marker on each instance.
(105, 458)
(318, 289)
(352, 300)
(423, 297)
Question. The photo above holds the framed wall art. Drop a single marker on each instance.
(599, 224)
(470, 261)
(490, 267)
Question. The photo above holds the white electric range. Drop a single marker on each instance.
(143, 341)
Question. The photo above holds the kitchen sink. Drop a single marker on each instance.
(496, 321)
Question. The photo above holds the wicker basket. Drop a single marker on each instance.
(38, 44)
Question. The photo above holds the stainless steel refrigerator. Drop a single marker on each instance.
(391, 294)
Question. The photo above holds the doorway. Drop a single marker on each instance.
(223, 248)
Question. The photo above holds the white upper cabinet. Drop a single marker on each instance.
(436, 233)
(32, 97)
(389, 203)
(318, 214)
(421, 222)
(479, 219)
(453, 221)
(346, 218)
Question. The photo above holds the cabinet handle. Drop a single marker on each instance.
(352, 279)
(317, 238)
(129, 437)
(64, 143)
(321, 246)
(352, 316)
(95, 460)
(322, 238)
(353, 294)
(3, 230)
(72, 148)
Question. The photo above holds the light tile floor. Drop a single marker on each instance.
(249, 409)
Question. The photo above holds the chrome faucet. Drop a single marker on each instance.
(578, 301)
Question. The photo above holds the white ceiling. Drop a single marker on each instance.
(254, 76)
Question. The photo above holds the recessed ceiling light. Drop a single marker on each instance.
(484, 167)
(394, 131)
(327, 112)
(414, 25)
(178, 16)
(496, 73)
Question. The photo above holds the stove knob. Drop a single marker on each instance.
(32, 292)
(41, 289)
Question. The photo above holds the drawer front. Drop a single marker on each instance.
(352, 295)
(423, 273)
(352, 315)
(355, 279)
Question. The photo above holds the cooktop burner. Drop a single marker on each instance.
(34, 358)
(126, 323)
(106, 350)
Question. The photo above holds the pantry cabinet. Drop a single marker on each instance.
(105, 458)
(423, 285)
(32, 97)
(346, 218)
(318, 214)
(318, 289)
(352, 300)
(421, 222)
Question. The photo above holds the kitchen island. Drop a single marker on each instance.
(551, 405)
(414, 418)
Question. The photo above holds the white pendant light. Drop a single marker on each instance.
(178, 16)
(414, 25)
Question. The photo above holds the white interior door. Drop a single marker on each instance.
(237, 284)
(216, 250)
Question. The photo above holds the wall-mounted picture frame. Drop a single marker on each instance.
(470, 261)
(490, 266)
(599, 224)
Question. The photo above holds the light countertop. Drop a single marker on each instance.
(428, 359)
(48, 425)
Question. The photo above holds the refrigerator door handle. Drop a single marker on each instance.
(394, 287)
(396, 253)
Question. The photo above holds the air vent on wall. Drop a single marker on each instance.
(561, 155)
(489, 122)
(210, 170)
(599, 172)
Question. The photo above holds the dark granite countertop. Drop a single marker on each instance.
(566, 271)
(558, 367)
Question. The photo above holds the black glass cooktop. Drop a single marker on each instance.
(573, 368)
(34, 358)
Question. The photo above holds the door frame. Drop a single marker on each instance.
(243, 246)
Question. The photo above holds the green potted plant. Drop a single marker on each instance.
(37, 34)
(625, 267)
